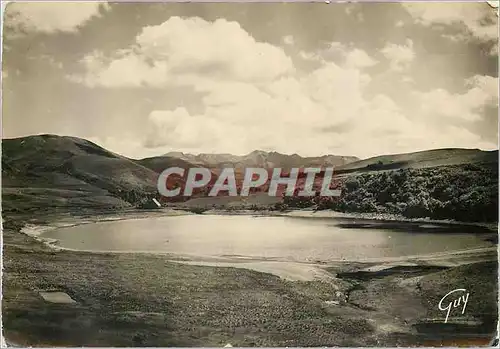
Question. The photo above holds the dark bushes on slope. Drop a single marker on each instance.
(461, 192)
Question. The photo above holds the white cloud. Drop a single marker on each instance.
(329, 51)
(445, 107)
(240, 116)
(471, 15)
(127, 70)
(359, 59)
(179, 48)
(253, 97)
(51, 17)
(302, 115)
(182, 129)
(400, 56)
(350, 57)
(310, 56)
(337, 46)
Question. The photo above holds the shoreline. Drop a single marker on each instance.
(374, 217)
(299, 213)
(310, 213)
(287, 269)
(149, 291)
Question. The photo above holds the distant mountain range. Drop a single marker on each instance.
(263, 159)
(57, 171)
(342, 164)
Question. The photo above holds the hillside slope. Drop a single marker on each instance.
(464, 192)
(54, 171)
(421, 159)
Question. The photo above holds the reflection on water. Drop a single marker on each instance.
(293, 239)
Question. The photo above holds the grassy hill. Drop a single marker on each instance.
(48, 171)
(421, 159)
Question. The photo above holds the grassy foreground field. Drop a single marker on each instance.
(148, 300)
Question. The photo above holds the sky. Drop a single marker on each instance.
(353, 79)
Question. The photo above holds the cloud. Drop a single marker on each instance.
(180, 128)
(50, 17)
(302, 115)
(283, 114)
(252, 96)
(350, 57)
(444, 108)
(359, 59)
(127, 69)
(400, 56)
(182, 47)
(477, 19)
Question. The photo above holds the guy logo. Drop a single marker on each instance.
(447, 302)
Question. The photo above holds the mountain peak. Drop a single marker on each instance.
(261, 158)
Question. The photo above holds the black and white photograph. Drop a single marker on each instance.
(250, 174)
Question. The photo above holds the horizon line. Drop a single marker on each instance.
(256, 150)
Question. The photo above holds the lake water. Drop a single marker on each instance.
(274, 238)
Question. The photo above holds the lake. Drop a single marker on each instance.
(274, 238)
